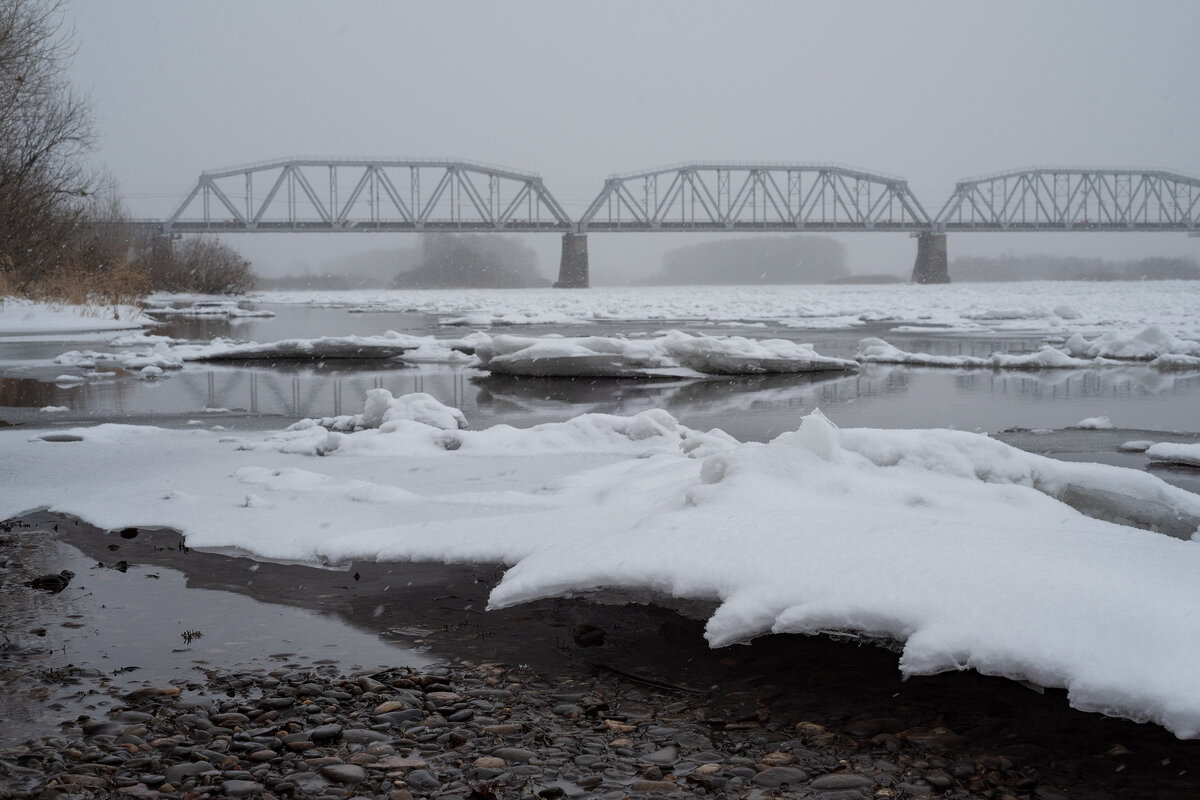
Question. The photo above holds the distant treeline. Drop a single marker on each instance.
(765, 259)
(485, 261)
(440, 261)
(324, 281)
(1071, 268)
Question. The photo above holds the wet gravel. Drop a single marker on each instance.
(489, 731)
(611, 702)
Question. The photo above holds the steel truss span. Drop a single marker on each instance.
(755, 197)
(368, 194)
(1051, 199)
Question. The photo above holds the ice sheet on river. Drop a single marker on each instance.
(1052, 308)
(669, 353)
(974, 554)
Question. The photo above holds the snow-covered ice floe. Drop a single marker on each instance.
(1159, 349)
(671, 353)
(1187, 455)
(877, 351)
(1100, 423)
(1143, 345)
(319, 348)
(224, 309)
(972, 553)
(139, 353)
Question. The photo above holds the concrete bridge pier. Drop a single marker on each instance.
(932, 265)
(573, 268)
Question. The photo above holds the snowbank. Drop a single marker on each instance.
(974, 554)
(28, 318)
(672, 353)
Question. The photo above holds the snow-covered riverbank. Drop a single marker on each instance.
(974, 554)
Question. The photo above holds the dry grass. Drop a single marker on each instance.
(102, 292)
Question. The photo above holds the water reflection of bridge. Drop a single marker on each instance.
(339, 195)
(752, 407)
(306, 392)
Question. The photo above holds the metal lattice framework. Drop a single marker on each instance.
(1053, 199)
(368, 194)
(755, 197)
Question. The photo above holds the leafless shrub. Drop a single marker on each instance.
(198, 264)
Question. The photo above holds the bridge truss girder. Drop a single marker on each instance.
(754, 197)
(1053, 199)
(369, 194)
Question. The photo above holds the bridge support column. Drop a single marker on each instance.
(932, 265)
(573, 269)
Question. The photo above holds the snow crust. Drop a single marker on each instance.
(973, 554)
(670, 353)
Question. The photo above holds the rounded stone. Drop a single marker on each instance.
(422, 780)
(842, 780)
(325, 734)
(344, 773)
(667, 755)
(653, 786)
(241, 788)
(775, 777)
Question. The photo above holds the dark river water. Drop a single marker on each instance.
(750, 408)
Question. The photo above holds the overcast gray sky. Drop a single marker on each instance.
(932, 91)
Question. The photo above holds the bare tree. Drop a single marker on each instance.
(45, 133)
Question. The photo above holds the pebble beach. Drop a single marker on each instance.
(607, 702)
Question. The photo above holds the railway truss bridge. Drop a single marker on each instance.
(445, 195)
